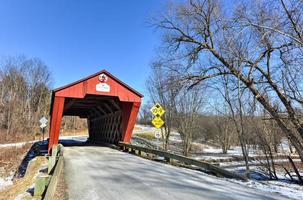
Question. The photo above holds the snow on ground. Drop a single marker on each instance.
(209, 149)
(6, 181)
(234, 150)
(211, 158)
(81, 138)
(284, 147)
(18, 144)
(253, 162)
(144, 129)
(174, 136)
(292, 191)
(210, 152)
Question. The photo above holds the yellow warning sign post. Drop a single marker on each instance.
(157, 122)
(157, 110)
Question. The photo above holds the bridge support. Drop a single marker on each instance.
(55, 122)
(130, 111)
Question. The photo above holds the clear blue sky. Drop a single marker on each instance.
(78, 38)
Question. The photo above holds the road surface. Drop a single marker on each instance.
(103, 173)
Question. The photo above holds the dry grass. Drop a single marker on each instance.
(11, 158)
(21, 185)
(15, 137)
(146, 135)
(74, 132)
(137, 128)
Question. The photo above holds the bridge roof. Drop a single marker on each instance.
(78, 89)
(96, 74)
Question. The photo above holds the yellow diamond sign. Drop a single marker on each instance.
(157, 110)
(157, 122)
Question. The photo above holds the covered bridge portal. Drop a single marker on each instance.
(109, 105)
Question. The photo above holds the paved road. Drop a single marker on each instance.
(103, 173)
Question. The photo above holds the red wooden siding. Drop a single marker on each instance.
(118, 107)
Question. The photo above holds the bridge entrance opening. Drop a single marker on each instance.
(73, 126)
(103, 114)
(109, 106)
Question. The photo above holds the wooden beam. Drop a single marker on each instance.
(115, 104)
(101, 105)
(69, 104)
(108, 107)
(99, 108)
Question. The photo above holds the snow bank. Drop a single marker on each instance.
(4, 182)
(18, 144)
(292, 191)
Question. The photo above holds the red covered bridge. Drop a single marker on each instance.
(109, 105)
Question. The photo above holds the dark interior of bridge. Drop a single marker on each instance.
(103, 114)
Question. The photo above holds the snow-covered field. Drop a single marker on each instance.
(207, 151)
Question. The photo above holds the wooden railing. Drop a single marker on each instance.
(182, 159)
(45, 184)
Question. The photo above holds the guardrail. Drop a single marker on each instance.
(188, 161)
(45, 184)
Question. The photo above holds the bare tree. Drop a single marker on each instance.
(265, 142)
(188, 105)
(24, 94)
(145, 114)
(164, 91)
(233, 96)
(225, 131)
(73, 123)
(242, 45)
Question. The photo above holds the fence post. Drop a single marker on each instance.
(55, 149)
(40, 185)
